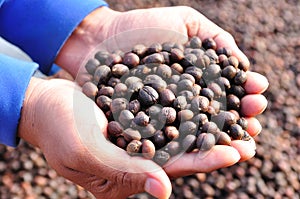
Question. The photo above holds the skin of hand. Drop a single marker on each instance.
(55, 117)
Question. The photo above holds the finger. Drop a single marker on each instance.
(254, 126)
(129, 174)
(252, 105)
(256, 83)
(203, 161)
(246, 149)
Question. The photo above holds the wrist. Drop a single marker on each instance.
(85, 38)
(26, 129)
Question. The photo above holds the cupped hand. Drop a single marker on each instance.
(71, 132)
(182, 22)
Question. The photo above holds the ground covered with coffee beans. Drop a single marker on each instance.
(165, 99)
(268, 32)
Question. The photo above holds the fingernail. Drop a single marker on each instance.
(153, 187)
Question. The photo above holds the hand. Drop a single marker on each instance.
(105, 23)
(70, 130)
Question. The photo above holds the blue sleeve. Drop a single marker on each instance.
(40, 27)
(14, 78)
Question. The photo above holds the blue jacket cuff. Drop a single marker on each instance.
(14, 79)
(40, 28)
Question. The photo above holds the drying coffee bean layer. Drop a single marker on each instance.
(165, 99)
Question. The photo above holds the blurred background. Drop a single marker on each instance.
(268, 32)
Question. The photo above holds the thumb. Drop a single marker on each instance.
(127, 174)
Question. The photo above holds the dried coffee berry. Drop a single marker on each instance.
(114, 128)
(236, 132)
(173, 148)
(171, 132)
(134, 147)
(168, 114)
(148, 96)
(161, 157)
(209, 43)
(90, 89)
(205, 141)
(148, 149)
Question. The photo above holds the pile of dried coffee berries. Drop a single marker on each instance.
(169, 98)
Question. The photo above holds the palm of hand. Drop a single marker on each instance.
(183, 22)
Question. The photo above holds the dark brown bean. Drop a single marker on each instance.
(210, 127)
(131, 134)
(168, 114)
(224, 120)
(148, 96)
(176, 55)
(113, 59)
(134, 147)
(114, 128)
(134, 106)
(187, 127)
(184, 85)
(187, 94)
(121, 142)
(153, 59)
(139, 49)
(159, 139)
(148, 149)
(164, 71)
(120, 90)
(91, 65)
(173, 148)
(177, 67)
(147, 131)
(166, 97)
(236, 132)
(104, 102)
(233, 102)
(161, 157)
(125, 118)
(238, 91)
(243, 123)
(212, 72)
(106, 90)
(240, 77)
(223, 138)
(229, 72)
(195, 42)
(195, 72)
(90, 89)
(233, 61)
(207, 92)
(205, 141)
(185, 115)
(189, 143)
(118, 70)
(180, 102)
(171, 132)
(113, 81)
(200, 119)
(199, 103)
(131, 60)
(118, 104)
(141, 119)
(209, 43)
(101, 56)
(102, 74)
(225, 51)
(154, 48)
